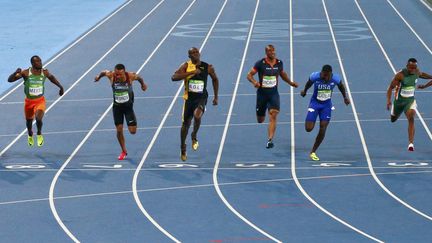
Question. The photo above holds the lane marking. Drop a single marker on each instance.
(57, 175)
(73, 44)
(79, 196)
(115, 166)
(293, 158)
(361, 133)
(430, 52)
(224, 134)
(80, 78)
(210, 95)
(150, 146)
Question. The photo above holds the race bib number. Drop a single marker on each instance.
(36, 91)
(122, 97)
(323, 95)
(407, 91)
(196, 86)
(269, 81)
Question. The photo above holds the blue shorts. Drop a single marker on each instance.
(267, 100)
(323, 110)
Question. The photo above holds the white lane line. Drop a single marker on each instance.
(118, 167)
(150, 146)
(221, 146)
(361, 133)
(206, 125)
(426, 4)
(170, 97)
(79, 79)
(208, 185)
(430, 52)
(54, 181)
(293, 158)
(72, 45)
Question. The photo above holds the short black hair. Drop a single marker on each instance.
(412, 59)
(326, 68)
(120, 67)
(269, 46)
(35, 56)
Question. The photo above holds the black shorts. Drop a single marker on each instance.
(190, 105)
(124, 111)
(267, 100)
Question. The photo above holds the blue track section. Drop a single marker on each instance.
(44, 28)
(366, 188)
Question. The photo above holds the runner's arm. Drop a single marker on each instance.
(250, 77)
(285, 78)
(394, 83)
(15, 75)
(102, 74)
(425, 75)
(181, 73)
(54, 81)
(215, 82)
(308, 84)
(341, 88)
(141, 81)
(424, 86)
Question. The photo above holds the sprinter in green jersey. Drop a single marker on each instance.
(404, 84)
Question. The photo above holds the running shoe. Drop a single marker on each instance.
(195, 144)
(122, 155)
(270, 144)
(30, 141)
(40, 140)
(313, 156)
(411, 147)
(183, 155)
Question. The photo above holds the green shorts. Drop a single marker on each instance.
(402, 105)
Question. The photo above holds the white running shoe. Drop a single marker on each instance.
(411, 147)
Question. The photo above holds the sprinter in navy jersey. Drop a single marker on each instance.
(320, 103)
(269, 69)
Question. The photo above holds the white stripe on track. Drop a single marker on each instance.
(210, 185)
(150, 146)
(293, 159)
(371, 168)
(82, 76)
(426, 4)
(57, 175)
(171, 96)
(207, 125)
(72, 45)
(430, 52)
(221, 146)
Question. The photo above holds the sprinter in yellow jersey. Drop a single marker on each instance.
(194, 73)
(34, 88)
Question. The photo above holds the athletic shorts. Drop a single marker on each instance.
(323, 110)
(121, 112)
(32, 105)
(402, 105)
(267, 101)
(190, 105)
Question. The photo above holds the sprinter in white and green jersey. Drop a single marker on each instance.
(34, 89)
(404, 83)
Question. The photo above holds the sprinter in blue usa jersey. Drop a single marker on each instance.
(320, 103)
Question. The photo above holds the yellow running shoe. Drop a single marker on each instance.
(40, 140)
(30, 141)
(195, 144)
(183, 155)
(314, 157)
